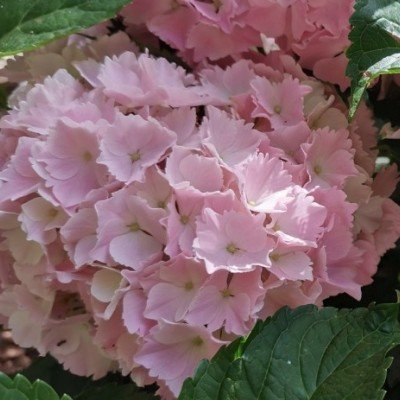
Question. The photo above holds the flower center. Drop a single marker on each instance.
(274, 257)
(189, 286)
(217, 4)
(197, 341)
(134, 227)
(277, 109)
(135, 156)
(317, 169)
(53, 212)
(184, 219)
(231, 248)
(87, 156)
(161, 204)
(226, 293)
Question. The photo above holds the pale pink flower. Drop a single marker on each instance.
(230, 306)
(333, 70)
(18, 177)
(292, 294)
(209, 41)
(177, 344)
(133, 144)
(105, 283)
(182, 121)
(69, 159)
(133, 311)
(329, 158)
(180, 281)
(79, 236)
(289, 139)
(348, 272)
(368, 215)
(302, 223)
(185, 168)
(223, 85)
(129, 231)
(142, 81)
(26, 313)
(41, 219)
(230, 141)
(71, 343)
(155, 189)
(265, 184)
(281, 103)
(235, 241)
(291, 263)
(338, 236)
(184, 208)
(44, 104)
(15, 240)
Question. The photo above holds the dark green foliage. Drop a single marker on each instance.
(29, 24)
(304, 354)
(375, 49)
(19, 388)
(113, 386)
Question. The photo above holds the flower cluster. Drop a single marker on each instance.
(149, 215)
(316, 31)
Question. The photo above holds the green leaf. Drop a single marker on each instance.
(14, 394)
(304, 354)
(28, 24)
(6, 381)
(374, 50)
(44, 392)
(20, 388)
(23, 385)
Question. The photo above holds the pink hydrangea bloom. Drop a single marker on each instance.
(147, 208)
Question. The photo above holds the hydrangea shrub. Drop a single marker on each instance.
(151, 211)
